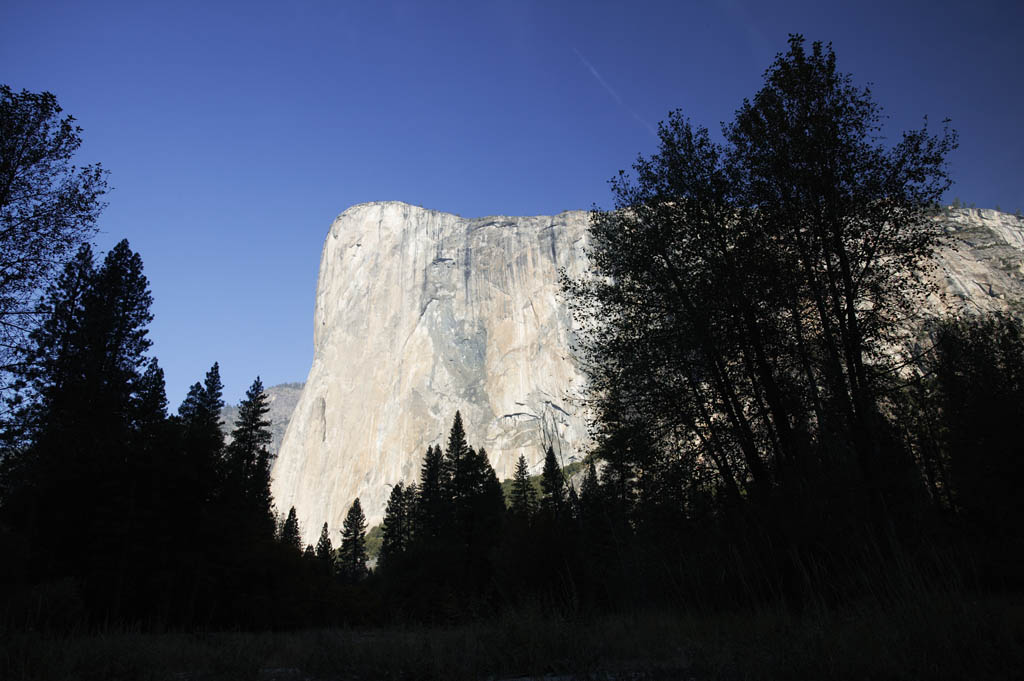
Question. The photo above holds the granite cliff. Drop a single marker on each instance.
(420, 313)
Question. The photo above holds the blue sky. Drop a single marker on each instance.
(236, 132)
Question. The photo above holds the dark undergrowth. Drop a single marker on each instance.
(921, 636)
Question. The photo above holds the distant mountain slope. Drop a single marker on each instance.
(283, 399)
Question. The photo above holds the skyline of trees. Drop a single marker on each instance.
(755, 442)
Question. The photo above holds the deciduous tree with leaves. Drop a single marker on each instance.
(48, 209)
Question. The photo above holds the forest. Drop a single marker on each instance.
(776, 428)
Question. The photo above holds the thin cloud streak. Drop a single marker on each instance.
(615, 95)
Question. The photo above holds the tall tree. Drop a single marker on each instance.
(431, 502)
(590, 492)
(48, 210)
(202, 443)
(90, 392)
(324, 550)
(977, 390)
(396, 525)
(745, 293)
(456, 461)
(352, 556)
(552, 485)
(247, 460)
(524, 497)
(290, 535)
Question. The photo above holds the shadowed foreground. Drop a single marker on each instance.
(939, 638)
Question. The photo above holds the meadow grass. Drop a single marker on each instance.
(942, 637)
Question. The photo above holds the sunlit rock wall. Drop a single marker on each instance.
(419, 314)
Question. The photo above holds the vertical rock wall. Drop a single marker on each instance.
(419, 314)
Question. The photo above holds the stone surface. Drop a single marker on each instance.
(983, 269)
(419, 313)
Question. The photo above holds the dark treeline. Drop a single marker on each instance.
(113, 510)
(774, 423)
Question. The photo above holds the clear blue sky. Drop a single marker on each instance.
(235, 132)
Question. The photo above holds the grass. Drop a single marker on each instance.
(942, 637)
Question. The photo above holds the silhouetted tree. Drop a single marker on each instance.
(89, 394)
(523, 499)
(324, 550)
(456, 478)
(352, 553)
(552, 485)
(745, 294)
(290, 535)
(396, 525)
(431, 502)
(590, 491)
(978, 377)
(247, 461)
(48, 210)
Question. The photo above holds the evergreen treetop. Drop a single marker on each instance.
(552, 485)
(290, 535)
(523, 499)
(352, 556)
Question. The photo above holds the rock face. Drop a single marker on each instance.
(419, 314)
(983, 269)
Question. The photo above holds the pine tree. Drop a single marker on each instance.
(590, 493)
(203, 445)
(523, 499)
(396, 521)
(411, 500)
(247, 461)
(431, 502)
(552, 485)
(309, 554)
(80, 415)
(324, 550)
(489, 503)
(456, 460)
(352, 554)
(290, 531)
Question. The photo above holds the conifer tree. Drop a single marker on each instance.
(80, 415)
(590, 493)
(489, 500)
(456, 461)
(247, 461)
(309, 554)
(411, 500)
(352, 554)
(552, 485)
(203, 443)
(324, 550)
(396, 521)
(523, 499)
(431, 502)
(290, 531)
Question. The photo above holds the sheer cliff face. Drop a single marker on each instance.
(419, 314)
(982, 269)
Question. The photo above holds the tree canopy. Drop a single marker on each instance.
(48, 209)
(746, 293)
